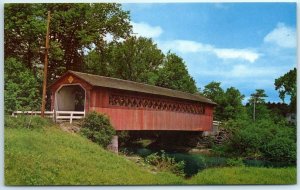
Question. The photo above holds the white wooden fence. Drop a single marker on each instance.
(56, 115)
(69, 115)
(47, 113)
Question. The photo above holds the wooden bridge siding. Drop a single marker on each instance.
(124, 118)
(99, 97)
(137, 119)
(101, 94)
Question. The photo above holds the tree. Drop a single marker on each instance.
(74, 29)
(233, 107)
(98, 63)
(214, 92)
(174, 74)
(78, 27)
(286, 85)
(24, 31)
(257, 104)
(21, 88)
(229, 103)
(258, 97)
(135, 59)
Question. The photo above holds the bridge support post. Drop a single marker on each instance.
(113, 146)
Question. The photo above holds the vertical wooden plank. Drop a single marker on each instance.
(97, 97)
(142, 123)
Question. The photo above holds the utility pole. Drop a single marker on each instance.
(45, 68)
(254, 101)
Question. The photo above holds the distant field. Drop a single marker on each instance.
(50, 156)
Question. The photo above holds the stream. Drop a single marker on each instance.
(195, 162)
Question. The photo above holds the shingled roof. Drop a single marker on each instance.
(96, 80)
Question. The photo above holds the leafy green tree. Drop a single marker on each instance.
(135, 59)
(74, 28)
(286, 85)
(258, 97)
(281, 108)
(214, 92)
(229, 102)
(96, 62)
(233, 107)
(139, 59)
(21, 88)
(78, 27)
(174, 74)
(24, 31)
(257, 105)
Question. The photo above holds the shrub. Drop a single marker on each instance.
(200, 164)
(98, 129)
(281, 150)
(262, 139)
(30, 122)
(163, 162)
(235, 162)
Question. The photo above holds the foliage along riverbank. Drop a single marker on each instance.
(49, 156)
(197, 162)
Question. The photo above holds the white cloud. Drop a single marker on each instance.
(237, 54)
(186, 46)
(283, 36)
(241, 71)
(145, 30)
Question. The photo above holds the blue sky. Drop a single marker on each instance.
(244, 45)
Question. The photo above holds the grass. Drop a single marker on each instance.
(50, 156)
(54, 157)
(245, 175)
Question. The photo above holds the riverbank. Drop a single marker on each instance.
(50, 156)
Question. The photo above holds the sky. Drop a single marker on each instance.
(243, 45)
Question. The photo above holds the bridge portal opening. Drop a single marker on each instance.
(70, 98)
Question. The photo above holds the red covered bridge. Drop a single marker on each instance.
(131, 105)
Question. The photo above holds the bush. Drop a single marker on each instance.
(163, 162)
(262, 139)
(30, 122)
(98, 129)
(281, 150)
(235, 162)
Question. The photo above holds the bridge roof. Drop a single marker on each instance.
(109, 82)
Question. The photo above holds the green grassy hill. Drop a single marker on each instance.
(50, 156)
